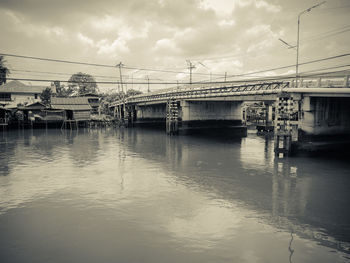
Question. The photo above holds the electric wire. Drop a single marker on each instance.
(102, 65)
(228, 76)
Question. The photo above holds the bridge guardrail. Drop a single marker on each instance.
(238, 88)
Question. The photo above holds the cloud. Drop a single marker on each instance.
(165, 46)
(241, 34)
(85, 39)
(227, 22)
(110, 48)
(269, 7)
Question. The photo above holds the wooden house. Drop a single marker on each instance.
(33, 112)
(94, 101)
(4, 115)
(74, 108)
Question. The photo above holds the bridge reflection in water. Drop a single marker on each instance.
(318, 107)
(139, 195)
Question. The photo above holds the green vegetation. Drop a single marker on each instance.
(4, 71)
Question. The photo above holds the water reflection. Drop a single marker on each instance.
(290, 193)
(192, 199)
(291, 250)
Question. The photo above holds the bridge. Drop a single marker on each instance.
(315, 105)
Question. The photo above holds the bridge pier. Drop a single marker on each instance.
(150, 115)
(324, 124)
(325, 116)
(312, 124)
(222, 117)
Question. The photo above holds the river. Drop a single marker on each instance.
(138, 195)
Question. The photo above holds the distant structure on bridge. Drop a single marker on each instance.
(318, 106)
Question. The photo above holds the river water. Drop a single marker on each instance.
(138, 195)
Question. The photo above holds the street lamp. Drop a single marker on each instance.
(297, 64)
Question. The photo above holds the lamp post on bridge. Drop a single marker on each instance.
(297, 64)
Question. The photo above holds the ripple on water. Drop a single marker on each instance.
(138, 194)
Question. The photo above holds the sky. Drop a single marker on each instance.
(216, 36)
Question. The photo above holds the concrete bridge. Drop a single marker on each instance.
(319, 105)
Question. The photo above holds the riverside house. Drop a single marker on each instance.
(16, 93)
(74, 108)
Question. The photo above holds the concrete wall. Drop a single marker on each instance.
(151, 111)
(211, 110)
(325, 116)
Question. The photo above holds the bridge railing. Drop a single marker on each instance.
(244, 87)
(325, 82)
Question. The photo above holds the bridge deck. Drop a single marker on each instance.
(334, 83)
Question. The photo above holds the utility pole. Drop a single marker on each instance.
(120, 65)
(132, 81)
(225, 76)
(148, 90)
(191, 66)
(121, 84)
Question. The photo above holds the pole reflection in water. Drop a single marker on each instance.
(133, 195)
(291, 250)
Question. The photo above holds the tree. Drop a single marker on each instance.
(82, 83)
(61, 90)
(4, 71)
(132, 92)
(45, 96)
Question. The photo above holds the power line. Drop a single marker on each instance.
(327, 34)
(231, 76)
(98, 82)
(187, 83)
(307, 39)
(321, 69)
(100, 65)
(69, 74)
(289, 66)
(337, 7)
(283, 67)
(57, 60)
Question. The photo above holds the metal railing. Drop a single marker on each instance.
(242, 88)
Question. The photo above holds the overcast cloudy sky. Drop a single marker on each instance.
(218, 36)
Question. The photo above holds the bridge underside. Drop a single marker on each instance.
(317, 115)
(320, 109)
(190, 116)
(324, 116)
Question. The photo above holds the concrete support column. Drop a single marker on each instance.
(325, 116)
(130, 115)
(153, 115)
(223, 117)
(269, 113)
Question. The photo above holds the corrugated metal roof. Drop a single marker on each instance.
(70, 107)
(33, 106)
(70, 100)
(16, 86)
(71, 103)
